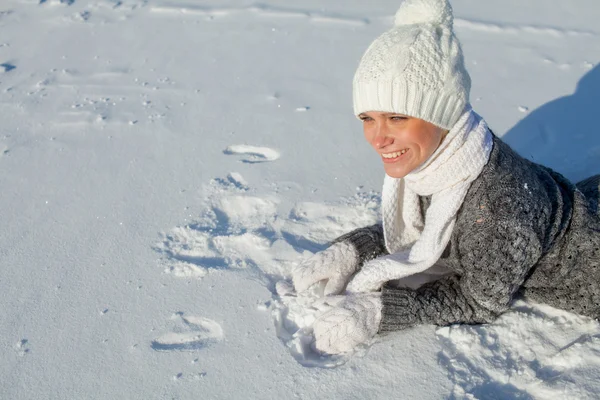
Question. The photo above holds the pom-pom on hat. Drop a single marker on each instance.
(435, 12)
(416, 68)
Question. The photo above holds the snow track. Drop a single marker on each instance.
(263, 10)
(253, 154)
(189, 333)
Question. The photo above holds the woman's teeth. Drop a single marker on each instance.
(394, 155)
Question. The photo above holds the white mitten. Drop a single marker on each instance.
(337, 263)
(373, 275)
(353, 321)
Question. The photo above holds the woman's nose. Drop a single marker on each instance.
(382, 137)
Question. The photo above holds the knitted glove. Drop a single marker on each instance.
(337, 263)
(353, 321)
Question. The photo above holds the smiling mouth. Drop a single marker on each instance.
(393, 157)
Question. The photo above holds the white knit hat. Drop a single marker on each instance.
(416, 68)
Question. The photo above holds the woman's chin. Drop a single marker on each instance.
(395, 171)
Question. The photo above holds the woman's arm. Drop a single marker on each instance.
(340, 260)
(368, 242)
(496, 261)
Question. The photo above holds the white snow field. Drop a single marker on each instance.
(164, 163)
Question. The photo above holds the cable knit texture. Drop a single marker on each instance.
(523, 231)
(368, 242)
(416, 68)
(337, 263)
(415, 241)
(354, 320)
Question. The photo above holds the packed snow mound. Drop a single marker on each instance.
(532, 352)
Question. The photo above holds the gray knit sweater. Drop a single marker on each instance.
(522, 231)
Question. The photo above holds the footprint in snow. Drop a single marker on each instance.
(22, 347)
(6, 67)
(253, 154)
(188, 334)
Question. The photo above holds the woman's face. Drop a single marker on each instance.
(403, 143)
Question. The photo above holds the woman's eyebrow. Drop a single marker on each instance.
(391, 113)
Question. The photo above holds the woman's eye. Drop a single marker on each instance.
(398, 118)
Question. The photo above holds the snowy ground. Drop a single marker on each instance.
(164, 163)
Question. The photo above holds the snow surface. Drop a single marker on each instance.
(164, 163)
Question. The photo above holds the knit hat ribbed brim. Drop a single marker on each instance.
(416, 68)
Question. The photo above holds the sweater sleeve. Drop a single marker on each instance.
(495, 260)
(368, 242)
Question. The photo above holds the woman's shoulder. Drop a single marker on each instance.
(507, 173)
(507, 167)
(512, 189)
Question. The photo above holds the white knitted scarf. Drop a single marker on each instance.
(415, 244)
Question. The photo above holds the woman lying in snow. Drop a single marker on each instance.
(454, 197)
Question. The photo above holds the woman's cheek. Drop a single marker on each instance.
(368, 136)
